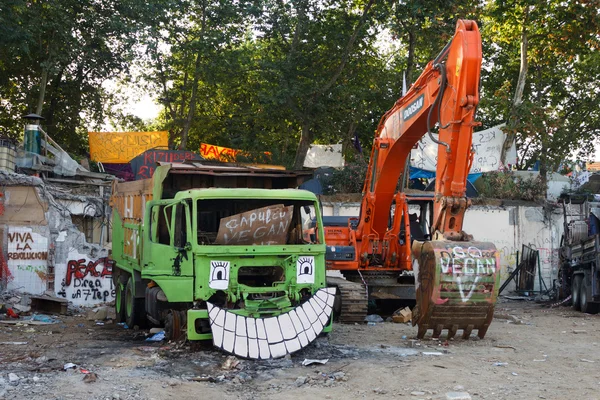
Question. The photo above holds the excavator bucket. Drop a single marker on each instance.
(456, 286)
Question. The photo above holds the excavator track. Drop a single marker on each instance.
(353, 300)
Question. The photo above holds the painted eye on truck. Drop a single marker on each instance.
(305, 269)
(219, 275)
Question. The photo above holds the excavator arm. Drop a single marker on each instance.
(456, 279)
(447, 92)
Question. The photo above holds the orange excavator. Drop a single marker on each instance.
(390, 251)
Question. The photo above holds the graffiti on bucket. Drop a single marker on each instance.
(469, 271)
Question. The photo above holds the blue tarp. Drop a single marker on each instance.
(417, 173)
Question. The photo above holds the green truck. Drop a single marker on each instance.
(223, 253)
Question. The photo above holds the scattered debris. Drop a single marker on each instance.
(374, 318)
(458, 396)
(308, 361)
(203, 379)
(301, 380)
(514, 373)
(500, 364)
(69, 366)
(156, 330)
(90, 377)
(339, 376)
(13, 343)
(502, 346)
(157, 337)
(417, 393)
(402, 315)
(431, 353)
(577, 331)
(587, 361)
(379, 391)
(97, 314)
(13, 378)
(21, 308)
(230, 363)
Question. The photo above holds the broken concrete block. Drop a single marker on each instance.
(21, 308)
(97, 314)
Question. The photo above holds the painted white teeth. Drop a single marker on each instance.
(273, 331)
(260, 328)
(241, 346)
(230, 319)
(253, 348)
(228, 341)
(251, 326)
(263, 347)
(287, 327)
(277, 350)
(273, 337)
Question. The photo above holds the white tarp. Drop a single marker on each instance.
(324, 155)
(487, 144)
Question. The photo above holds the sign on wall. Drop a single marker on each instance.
(27, 260)
(143, 166)
(85, 280)
(121, 147)
(488, 148)
(225, 154)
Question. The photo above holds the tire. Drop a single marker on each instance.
(134, 308)
(576, 292)
(585, 297)
(120, 302)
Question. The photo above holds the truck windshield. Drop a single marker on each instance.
(255, 222)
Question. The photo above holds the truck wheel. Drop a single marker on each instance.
(576, 292)
(120, 302)
(585, 297)
(133, 307)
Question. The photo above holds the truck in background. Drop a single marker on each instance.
(579, 274)
(220, 252)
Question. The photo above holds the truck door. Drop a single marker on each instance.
(169, 253)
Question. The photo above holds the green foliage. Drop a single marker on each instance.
(349, 179)
(509, 186)
(69, 48)
(271, 75)
(558, 114)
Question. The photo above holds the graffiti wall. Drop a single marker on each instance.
(84, 280)
(27, 260)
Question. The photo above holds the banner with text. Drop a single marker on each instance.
(487, 145)
(121, 147)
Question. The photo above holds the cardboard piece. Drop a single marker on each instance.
(402, 316)
(262, 226)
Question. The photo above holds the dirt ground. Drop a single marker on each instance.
(530, 352)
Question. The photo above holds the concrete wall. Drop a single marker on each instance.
(45, 252)
(508, 227)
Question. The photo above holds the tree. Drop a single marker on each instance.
(542, 76)
(59, 54)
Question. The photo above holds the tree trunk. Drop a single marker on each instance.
(303, 145)
(410, 60)
(42, 94)
(192, 110)
(518, 97)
